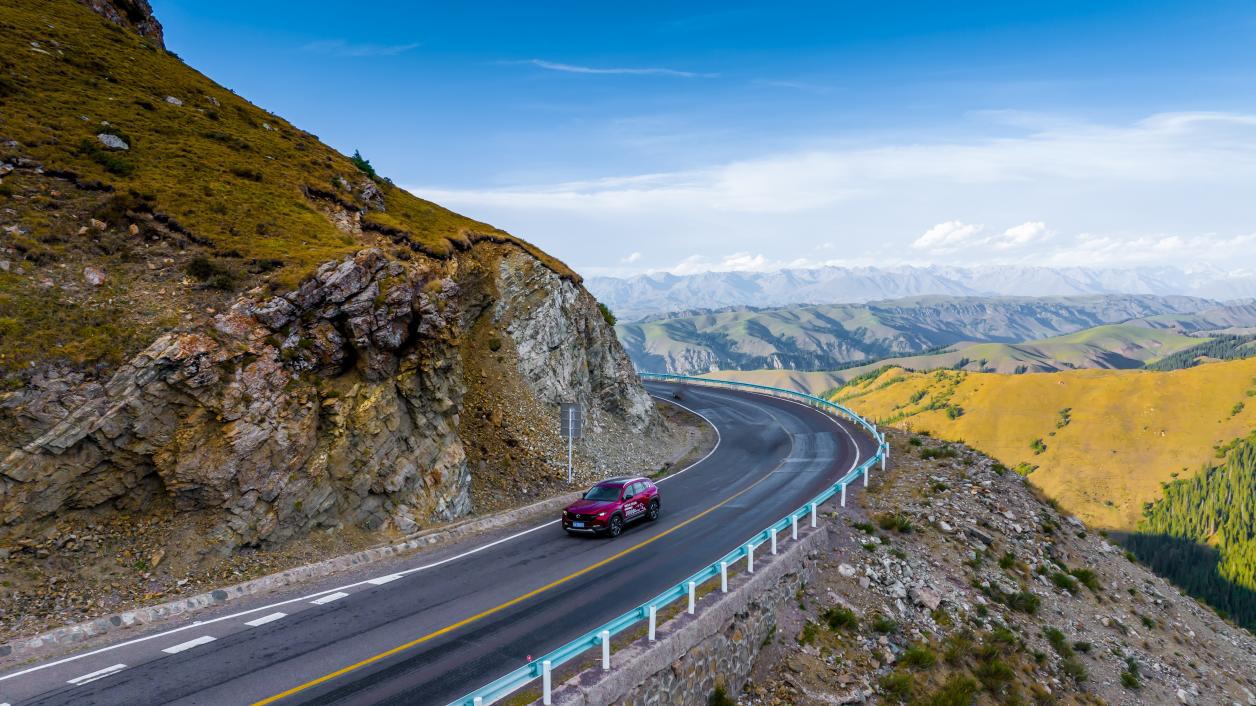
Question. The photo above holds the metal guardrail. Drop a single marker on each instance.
(541, 668)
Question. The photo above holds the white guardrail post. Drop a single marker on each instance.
(520, 677)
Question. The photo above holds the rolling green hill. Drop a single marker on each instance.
(838, 336)
(1116, 346)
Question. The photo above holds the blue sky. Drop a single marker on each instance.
(753, 135)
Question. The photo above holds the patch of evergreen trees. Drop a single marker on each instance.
(1202, 534)
(1220, 348)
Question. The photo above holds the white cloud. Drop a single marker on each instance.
(1023, 234)
(631, 258)
(949, 236)
(1175, 188)
(622, 71)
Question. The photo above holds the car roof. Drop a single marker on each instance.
(621, 480)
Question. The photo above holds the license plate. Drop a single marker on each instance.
(577, 524)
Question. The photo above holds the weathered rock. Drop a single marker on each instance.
(113, 142)
(336, 404)
(94, 275)
(926, 597)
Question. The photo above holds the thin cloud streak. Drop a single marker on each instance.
(340, 47)
(618, 71)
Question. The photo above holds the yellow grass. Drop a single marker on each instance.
(1130, 430)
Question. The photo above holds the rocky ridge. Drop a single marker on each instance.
(956, 584)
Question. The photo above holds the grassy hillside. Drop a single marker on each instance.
(831, 337)
(210, 195)
(1119, 346)
(1101, 442)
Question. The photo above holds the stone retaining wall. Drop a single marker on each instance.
(716, 646)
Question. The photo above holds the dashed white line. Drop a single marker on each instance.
(384, 579)
(98, 674)
(266, 619)
(329, 598)
(188, 645)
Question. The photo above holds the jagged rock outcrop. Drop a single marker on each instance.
(336, 403)
(135, 14)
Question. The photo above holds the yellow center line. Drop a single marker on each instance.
(467, 621)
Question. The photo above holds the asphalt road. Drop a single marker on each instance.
(441, 624)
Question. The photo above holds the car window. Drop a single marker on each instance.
(602, 492)
(638, 488)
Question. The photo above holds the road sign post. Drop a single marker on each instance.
(570, 427)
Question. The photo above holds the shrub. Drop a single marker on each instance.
(1037, 446)
(809, 632)
(954, 412)
(883, 624)
(914, 441)
(864, 527)
(363, 164)
(919, 656)
(1075, 669)
(839, 618)
(994, 674)
(606, 313)
(942, 452)
(1007, 561)
(898, 685)
(1024, 601)
(210, 272)
(894, 521)
(1064, 581)
(1058, 642)
(1087, 578)
(957, 690)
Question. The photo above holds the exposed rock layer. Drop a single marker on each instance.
(336, 403)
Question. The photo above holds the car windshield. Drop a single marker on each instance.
(603, 492)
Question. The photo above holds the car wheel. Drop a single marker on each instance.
(616, 526)
(653, 513)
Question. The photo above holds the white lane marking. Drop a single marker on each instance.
(329, 598)
(188, 645)
(383, 579)
(714, 428)
(266, 619)
(98, 674)
(308, 597)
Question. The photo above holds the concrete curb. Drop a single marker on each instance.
(634, 665)
(73, 634)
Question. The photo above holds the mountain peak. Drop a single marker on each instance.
(136, 15)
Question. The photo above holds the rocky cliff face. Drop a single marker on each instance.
(135, 14)
(336, 403)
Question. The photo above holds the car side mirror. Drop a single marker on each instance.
(628, 496)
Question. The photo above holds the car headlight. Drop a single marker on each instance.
(602, 514)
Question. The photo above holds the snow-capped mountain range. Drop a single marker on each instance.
(647, 295)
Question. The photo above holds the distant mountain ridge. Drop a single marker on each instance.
(633, 298)
(834, 336)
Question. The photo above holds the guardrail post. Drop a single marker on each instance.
(865, 475)
(545, 683)
(793, 522)
(478, 701)
(750, 558)
(654, 621)
(693, 596)
(813, 515)
(723, 577)
(606, 650)
(773, 540)
(843, 495)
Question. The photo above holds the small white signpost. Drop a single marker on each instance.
(570, 427)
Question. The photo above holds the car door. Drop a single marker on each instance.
(633, 508)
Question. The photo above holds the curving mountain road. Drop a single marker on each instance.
(431, 627)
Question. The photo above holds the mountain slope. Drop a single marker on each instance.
(835, 336)
(219, 337)
(1124, 432)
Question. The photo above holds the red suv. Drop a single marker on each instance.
(611, 504)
